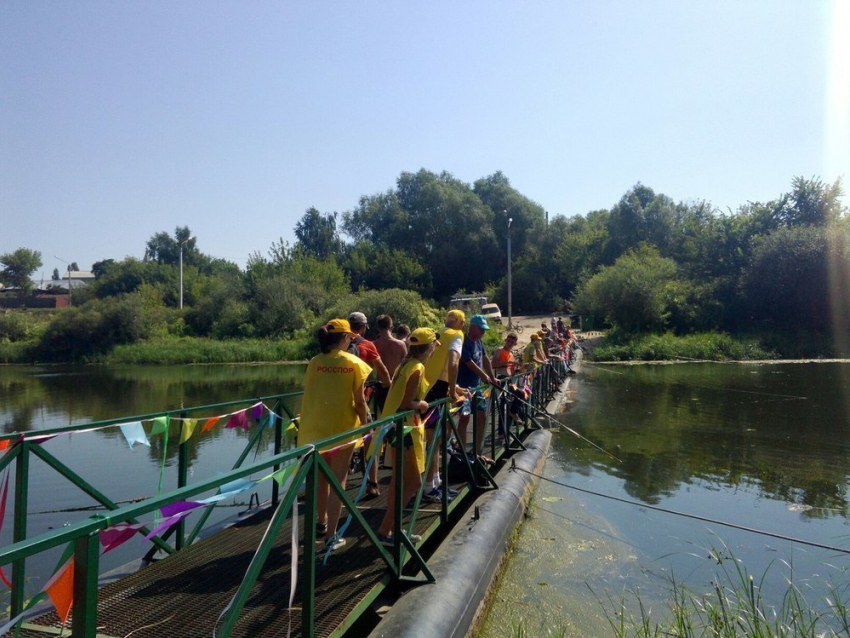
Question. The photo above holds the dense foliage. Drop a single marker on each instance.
(647, 264)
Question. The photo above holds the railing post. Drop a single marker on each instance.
(475, 419)
(444, 462)
(495, 395)
(398, 468)
(20, 526)
(308, 566)
(278, 444)
(86, 559)
(182, 479)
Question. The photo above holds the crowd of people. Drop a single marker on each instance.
(412, 370)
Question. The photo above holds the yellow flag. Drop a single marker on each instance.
(188, 429)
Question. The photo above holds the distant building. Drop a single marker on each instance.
(79, 278)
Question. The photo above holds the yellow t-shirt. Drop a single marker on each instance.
(393, 405)
(435, 367)
(528, 353)
(327, 407)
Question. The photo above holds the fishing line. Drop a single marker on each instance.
(696, 517)
(564, 427)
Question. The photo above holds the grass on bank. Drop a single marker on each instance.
(181, 350)
(669, 347)
(734, 608)
(185, 350)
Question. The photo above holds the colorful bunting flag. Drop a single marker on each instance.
(188, 429)
(166, 523)
(160, 425)
(60, 588)
(238, 420)
(283, 474)
(257, 410)
(112, 537)
(179, 507)
(210, 424)
(134, 433)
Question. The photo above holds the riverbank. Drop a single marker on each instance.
(179, 351)
(712, 346)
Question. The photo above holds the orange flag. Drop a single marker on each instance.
(61, 590)
(210, 423)
(4, 444)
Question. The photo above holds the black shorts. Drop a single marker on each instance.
(390, 438)
(440, 390)
(380, 395)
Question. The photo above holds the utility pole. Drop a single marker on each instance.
(510, 301)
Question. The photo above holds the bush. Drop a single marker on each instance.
(14, 327)
(89, 331)
(669, 347)
(404, 306)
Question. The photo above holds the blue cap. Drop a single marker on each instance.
(480, 321)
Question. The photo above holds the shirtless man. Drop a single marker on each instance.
(367, 351)
(392, 350)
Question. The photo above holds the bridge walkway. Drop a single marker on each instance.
(182, 595)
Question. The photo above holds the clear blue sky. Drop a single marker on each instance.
(122, 119)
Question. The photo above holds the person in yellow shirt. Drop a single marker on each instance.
(531, 353)
(407, 393)
(441, 372)
(333, 403)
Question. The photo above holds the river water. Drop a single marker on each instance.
(765, 446)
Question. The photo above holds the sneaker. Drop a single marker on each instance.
(321, 529)
(388, 540)
(332, 544)
(434, 496)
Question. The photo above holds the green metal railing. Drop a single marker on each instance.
(84, 535)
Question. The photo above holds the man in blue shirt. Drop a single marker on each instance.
(474, 369)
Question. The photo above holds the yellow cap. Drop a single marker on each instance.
(336, 326)
(535, 337)
(422, 336)
(454, 313)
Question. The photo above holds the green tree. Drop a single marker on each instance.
(811, 201)
(633, 293)
(373, 267)
(317, 234)
(165, 249)
(798, 279)
(56, 276)
(18, 268)
(439, 220)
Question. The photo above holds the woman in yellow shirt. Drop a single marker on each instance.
(407, 393)
(333, 403)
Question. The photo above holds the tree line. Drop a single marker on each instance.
(648, 263)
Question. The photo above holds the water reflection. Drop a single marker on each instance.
(777, 429)
(48, 397)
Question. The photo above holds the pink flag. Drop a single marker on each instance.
(238, 420)
(112, 537)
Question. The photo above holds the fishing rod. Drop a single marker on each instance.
(562, 426)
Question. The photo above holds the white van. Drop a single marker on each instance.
(491, 312)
